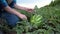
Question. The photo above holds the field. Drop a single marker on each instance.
(45, 20)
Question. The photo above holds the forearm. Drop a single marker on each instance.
(23, 8)
(20, 7)
(10, 10)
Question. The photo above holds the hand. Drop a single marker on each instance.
(23, 17)
(29, 10)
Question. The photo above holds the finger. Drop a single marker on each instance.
(25, 18)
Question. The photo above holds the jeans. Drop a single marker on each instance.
(10, 18)
(1, 32)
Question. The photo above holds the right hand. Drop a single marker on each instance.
(23, 17)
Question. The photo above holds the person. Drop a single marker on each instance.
(10, 14)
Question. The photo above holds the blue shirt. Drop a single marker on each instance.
(3, 3)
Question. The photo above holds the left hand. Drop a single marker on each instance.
(29, 10)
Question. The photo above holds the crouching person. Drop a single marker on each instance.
(10, 14)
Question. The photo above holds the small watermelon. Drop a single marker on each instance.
(36, 19)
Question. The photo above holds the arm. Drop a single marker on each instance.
(5, 7)
(20, 7)
(13, 11)
(23, 8)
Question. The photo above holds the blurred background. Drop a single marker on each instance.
(32, 3)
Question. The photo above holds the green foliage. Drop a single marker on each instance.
(49, 20)
(55, 2)
(45, 20)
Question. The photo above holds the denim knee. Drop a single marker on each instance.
(11, 19)
(1, 32)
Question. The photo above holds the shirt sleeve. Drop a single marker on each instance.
(14, 2)
(3, 3)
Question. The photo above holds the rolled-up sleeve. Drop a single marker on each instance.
(3, 3)
(14, 2)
